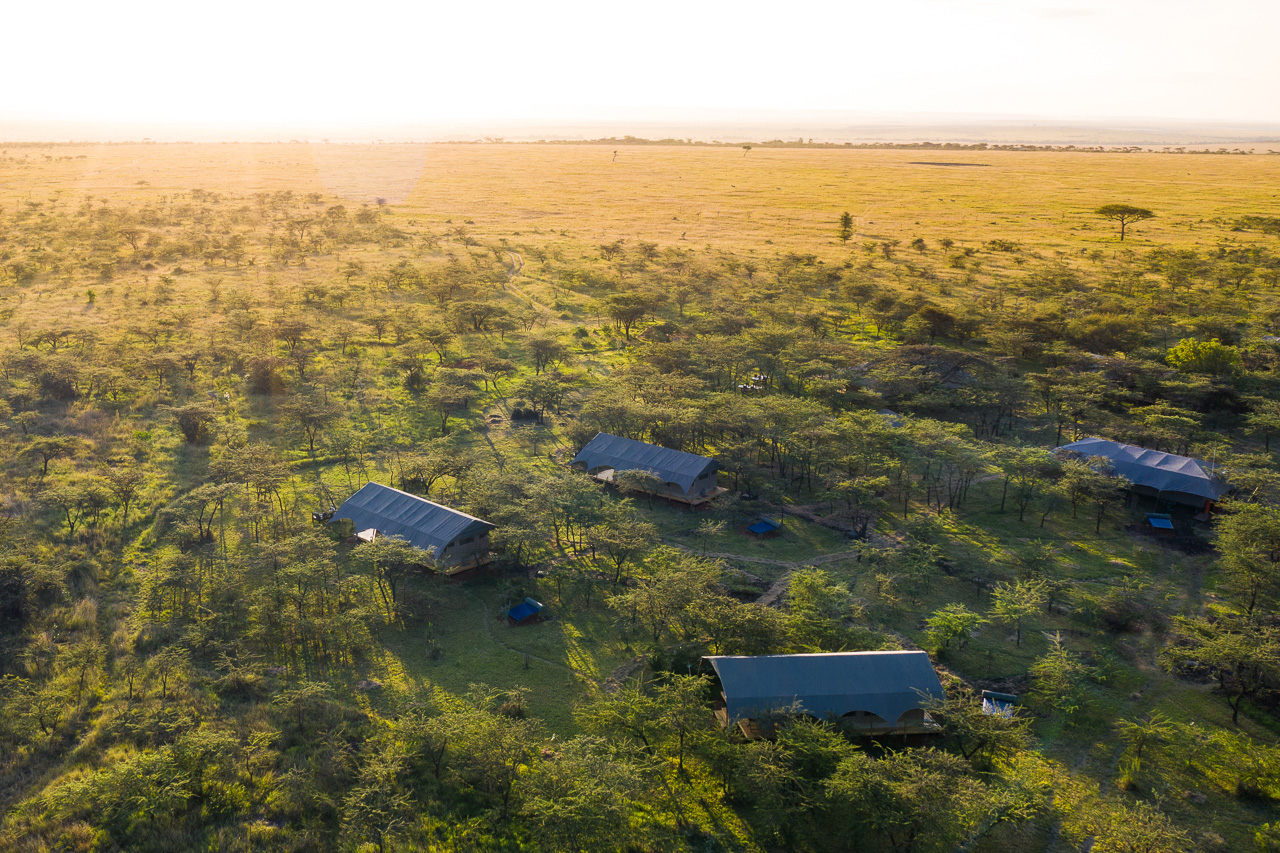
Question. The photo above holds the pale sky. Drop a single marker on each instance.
(265, 61)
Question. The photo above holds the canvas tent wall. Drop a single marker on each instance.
(889, 685)
(458, 540)
(687, 474)
(1164, 476)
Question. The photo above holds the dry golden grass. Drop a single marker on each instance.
(693, 196)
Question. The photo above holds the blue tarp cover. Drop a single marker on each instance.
(764, 525)
(524, 610)
(1162, 523)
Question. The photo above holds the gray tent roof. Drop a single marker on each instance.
(887, 684)
(416, 520)
(1163, 472)
(627, 454)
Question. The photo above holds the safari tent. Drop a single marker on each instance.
(1163, 476)
(686, 477)
(459, 541)
(871, 692)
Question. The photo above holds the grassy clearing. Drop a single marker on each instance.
(799, 540)
(556, 660)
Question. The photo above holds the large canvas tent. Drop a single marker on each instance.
(883, 691)
(686, 476)
(1164, 476)
(458, 540)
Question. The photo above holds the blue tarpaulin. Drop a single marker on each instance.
(764, 525)
(1160, 522)
(998, 704)
(524, 610)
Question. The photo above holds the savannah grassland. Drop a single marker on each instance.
(550, 234)
(734, 200)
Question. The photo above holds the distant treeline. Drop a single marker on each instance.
(903, 146)
(690, 142)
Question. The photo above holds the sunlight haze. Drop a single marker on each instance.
(255, 63)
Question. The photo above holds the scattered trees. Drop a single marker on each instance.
(1125, 214)
(211, 640)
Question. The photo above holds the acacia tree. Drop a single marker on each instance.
(627, 309)
(682, 703)
(669, 592)
(52, 447)
(1014, 603)
(312, 415)
(635, 480)
(546, 350)
(819, 607)
(1057, 677)
(629, 713)
(388, 560)
(580, 798)
(194, 420)
(621, 537)
(1244, 659)
(1147, 733)
(445, 399)
(915, 799)
(1249, 539)
(978, 736)
(953, 622)
(1264, 420)
(1142, 829)
(1125, 214)
(490, 751)
(846, 227)
(81, 499)
(1098, 484)
(378, 806)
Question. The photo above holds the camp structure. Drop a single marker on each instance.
(1163, 476)
(526, 612)
(1160, 524)
(764, 528)
(458, 541)
(686, 478)
(998, 704)
(868, 693)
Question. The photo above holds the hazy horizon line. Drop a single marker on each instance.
(826, 126)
